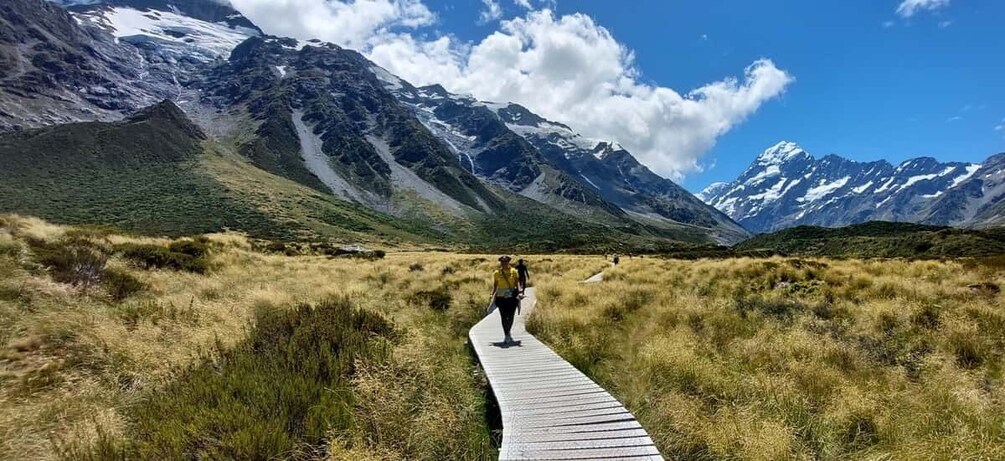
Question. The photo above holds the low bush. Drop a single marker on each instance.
(121, 284)
(437, 300)
(775, 308)
(185, 256)
(198, 248)
(74, 261)
(283, 392)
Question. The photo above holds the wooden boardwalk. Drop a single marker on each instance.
(549, 409)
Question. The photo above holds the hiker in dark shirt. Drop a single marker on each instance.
(523, 274)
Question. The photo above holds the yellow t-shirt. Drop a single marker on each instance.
(505, 281)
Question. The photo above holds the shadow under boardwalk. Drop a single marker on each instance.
(549, 409)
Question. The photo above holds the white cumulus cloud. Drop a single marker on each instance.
(566, 68)
(347, 23)
(908, 8)
(492, 12)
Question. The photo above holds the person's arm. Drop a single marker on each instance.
(495, 286)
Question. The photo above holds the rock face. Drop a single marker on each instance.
(483, 143)
(369, 140)
(102, 59)
(785, 186)
(52, 70)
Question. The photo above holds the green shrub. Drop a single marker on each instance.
(183, 255)
(11, 249)
(74, 261)
(198, 248)
(121, 284)
(437, 300)
(274, 247)
(415, 267)
(285, 390)
(775, 308)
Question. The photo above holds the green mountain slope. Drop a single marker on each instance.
(880, 239)
(156, 173)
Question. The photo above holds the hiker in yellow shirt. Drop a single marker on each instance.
(505, 289)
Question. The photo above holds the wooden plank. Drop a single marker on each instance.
(550, 410)
(531, 438)
(625, 452)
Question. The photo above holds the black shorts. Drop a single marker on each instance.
(507, 303)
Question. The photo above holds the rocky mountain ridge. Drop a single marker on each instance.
(583, 170)
(785, 186)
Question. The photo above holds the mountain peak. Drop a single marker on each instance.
(604, 148)
(711, 191)
(781, 153)
(168, 112)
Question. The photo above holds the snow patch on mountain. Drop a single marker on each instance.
(970, 171)
(823, 189)
(201, 40)
(392, 83)
(862, 188)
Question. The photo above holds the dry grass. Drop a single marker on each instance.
(738, 359)
(786, 358)
(75, 363)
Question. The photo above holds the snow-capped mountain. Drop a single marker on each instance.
(79, 60)
(542, 159)
(483, 143)
(328, 118)
(785, 186)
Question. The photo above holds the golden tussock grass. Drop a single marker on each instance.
(790, 358)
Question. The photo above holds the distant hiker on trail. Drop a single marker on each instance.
(505, 289)
(521, 270)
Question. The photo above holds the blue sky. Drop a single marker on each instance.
(869, 83)
(865, 79)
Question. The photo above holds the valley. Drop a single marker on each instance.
(220, 243)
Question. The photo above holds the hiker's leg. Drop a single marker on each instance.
(507, 310)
